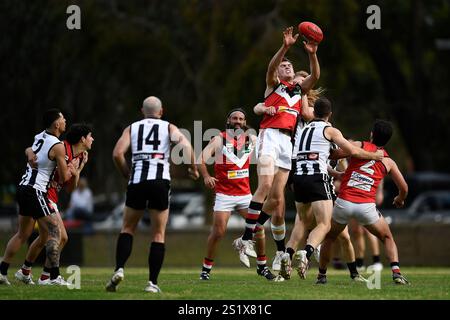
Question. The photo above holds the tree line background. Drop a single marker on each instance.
(204, 57)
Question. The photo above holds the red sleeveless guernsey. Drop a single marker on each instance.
(232, 166)
(362, 177)
(286, 98)
(55, 186)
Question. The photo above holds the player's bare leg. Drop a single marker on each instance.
(50, 225)
(274, 205)
(382, 231)
(326, 250)
(219, 227)
(24, 274)
(26, 225)
(322, 211)
(357, 235)
(374, 246)
(266, 171)
(306, 224)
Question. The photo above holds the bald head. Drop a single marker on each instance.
(152, 107)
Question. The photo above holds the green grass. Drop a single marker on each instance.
(238, 284)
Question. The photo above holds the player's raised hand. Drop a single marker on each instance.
(288, 38)
(310, 46)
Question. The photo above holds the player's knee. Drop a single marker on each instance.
(344, 240)
(159, 236)
(264, 187)
(325, 225)
(218, 233)
(277, 202)
(22, 237)
(357, 231)
(127, 229)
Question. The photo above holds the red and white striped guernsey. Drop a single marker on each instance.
(286, 98)
(362, 177)
(55, 186)
(232, 171)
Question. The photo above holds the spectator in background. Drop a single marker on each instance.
(81, 206)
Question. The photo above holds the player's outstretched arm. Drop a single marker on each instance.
(271, 77)
(121, 148)
(336, 136)
(311, 80)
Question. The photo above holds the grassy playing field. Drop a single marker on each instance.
(238, 284)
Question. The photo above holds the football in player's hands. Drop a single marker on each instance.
(310, 31)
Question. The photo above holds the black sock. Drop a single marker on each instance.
(4, 268)
(47, 269)
(123, 249)
(322, 271)
(352, 268)
(208, 261)
(291, 252)
(27, 263)
(376, 259)
(281, 246)
(359, 262)
(155, 260)
(54, 273)
(263, 217)
(309, 251)
(253, 209)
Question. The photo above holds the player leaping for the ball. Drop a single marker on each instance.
(274, 147)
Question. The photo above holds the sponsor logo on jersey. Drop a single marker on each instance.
(147, 156)
(360, 181)
(237, 174)
(308, 156)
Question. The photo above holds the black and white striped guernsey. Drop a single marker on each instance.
(150, 147)
(312, 149)
(40, 178)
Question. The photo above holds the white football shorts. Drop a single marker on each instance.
(224, 202)
(364, 213)
(276, 144)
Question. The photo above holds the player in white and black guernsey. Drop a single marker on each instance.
(312, 185)
(148, 185)
(32, 196)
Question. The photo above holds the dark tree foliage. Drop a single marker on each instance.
(204, 57)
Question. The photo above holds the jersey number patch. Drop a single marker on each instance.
(151, 139)
(39, 145)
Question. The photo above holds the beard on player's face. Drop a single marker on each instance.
(237, 126)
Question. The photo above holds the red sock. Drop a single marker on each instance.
(45, 276)
(26, 272)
